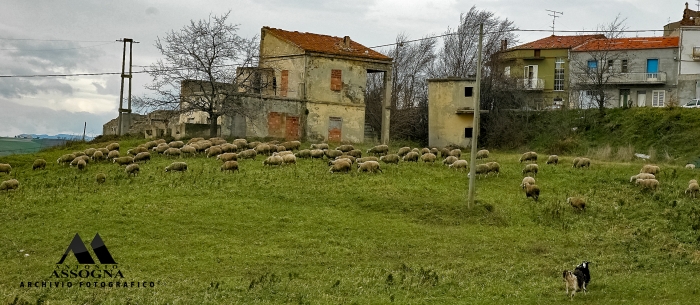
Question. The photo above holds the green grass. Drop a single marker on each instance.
(300, 235)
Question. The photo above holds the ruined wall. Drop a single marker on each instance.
(282, 56)
(353, 75)
(335, 122)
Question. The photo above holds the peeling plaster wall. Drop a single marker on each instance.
(353, 77)
(353, 121)
(280, 55)
(445, 127)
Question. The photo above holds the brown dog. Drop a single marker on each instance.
(571, 283)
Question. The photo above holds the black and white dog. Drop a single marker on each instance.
(583, 275)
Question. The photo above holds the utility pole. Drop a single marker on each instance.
(125, 121)
(475, 124)
(554, 17)
(84, 127)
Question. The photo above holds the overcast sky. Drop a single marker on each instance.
(78, 36)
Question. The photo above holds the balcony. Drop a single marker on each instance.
(631, 78)
(532, 83)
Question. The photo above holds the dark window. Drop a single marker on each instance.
(623, 66)
(537, 53)
(468, 91)
(468, 132)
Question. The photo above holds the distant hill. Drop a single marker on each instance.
(61, 136)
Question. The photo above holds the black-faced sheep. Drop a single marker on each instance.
(449, 160)
(571, 283)
(583, 162)
(650, 169)
(403, 151)
(39, 163)
(531, 168)
(341, 166)
(553, 159)
(390, 158)
(652, 184)
(345, 148)
(7, 185)
(369, 166)
(532, 190)
(642, 176)
(227, 157)
(142, 156)
(527, 180)
(529, 156)
(248, 154)
(577, 203)
(5, 168)
(100, 178)
(461, 164)
(428, 157)
(132, 169)
(230, 166)
(411, 157)
(113, 146)
(693, 188)
(176, 167)
(482, 154)
(273, 160)
(379, 150)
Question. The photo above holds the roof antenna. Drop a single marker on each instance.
(554, 17)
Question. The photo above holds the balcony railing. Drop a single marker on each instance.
(630, 78)
(532, 83)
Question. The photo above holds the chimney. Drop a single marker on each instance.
(504, 44)
(346, 41)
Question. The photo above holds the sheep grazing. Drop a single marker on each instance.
(693, 188)
(132, 169)
(230, 166)
(318, 154)
(690, 166)
(39, 163)
(577, 203)
(136, 150)
(482, 154)
(176, 144)
(176, 167)
(456, 152)
(331, 153)
(90, 151)
(292, 145)
(78, 153)
(229, 148)
(188, 150)
(104, 151)
(5, 168)
(160, 141)
(642, 176)
(449, 160)
(248, 154)
(320, 146)
(215, 151)
(81, 164)
(142, 156)
(494, 167)
(161, 148)
(217, 141)
(123, 160)
(289, 159)
(429, 157)
(253, 145)
(480, 169)
(531, 168)
(150, 144)
(583, 275)
(571, 283)
(527, 180)
(100, 178)
(379, 150)
(113, 155)
(98, 156)
(650, 169)
(403, 151)
(652, 184)
(240, 143)
(424, 151)
(7, 185)
(340, 166)
(227, 157)
(172, 152)
(365, 159)
(67, 158)
(113, 146)
(390, 158)
(369, 166)
(355, 153)
(303, 154)
(532, 190)
(411, 157)
(582, 162)
(444, 152)
(553, 159)
(345, 148)
(273, 160)
(460, 164)
(349, 157)
(331, 162)
(528, 156)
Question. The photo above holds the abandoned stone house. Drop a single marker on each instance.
(306, 86)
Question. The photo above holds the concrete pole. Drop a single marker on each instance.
(386, 107)
(475, 124)
(121, 93)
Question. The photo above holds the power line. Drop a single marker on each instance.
(24, 50)
(66, 40)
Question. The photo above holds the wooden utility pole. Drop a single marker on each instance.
(84, 127)
(125, 121)
(475, 124)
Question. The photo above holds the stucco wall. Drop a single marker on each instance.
(280, 55)
(445, 126)
(353, 77)
(318, 121)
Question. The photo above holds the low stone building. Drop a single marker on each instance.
(450, 112)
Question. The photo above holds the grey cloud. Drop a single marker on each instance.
(151, 11)
(31, 119)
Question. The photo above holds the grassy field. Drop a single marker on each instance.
(299, 235)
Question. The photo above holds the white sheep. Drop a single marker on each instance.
(379, 150)
(460, 164)
(67, 158)
(642, 176)
(189, 149)
(345, 148)
(320, 146)
(369, 166)
(553, 159)
(176, 144)
(529, 156)
(227, 157)
(132, 169)
(650, 169)
(5, 168)
(341, 166)
(364, 159)
(248, 154)
(583, 162)
(123, 160)
(482, 154)
(142, 156)
(98, 156)
(403, 151)
(652, 184)
(411, 157)
(113, 154)
(81, 164)
(494, 167)
(330, 153)
(456, 152)
(230, 166)
(449, 160)
(273, 160)
(693, 188)
(390, 158)
(527, 180)
(214, 151)
(7, 185)
(289, 159)
(39, 163)
(532, 190)
(428, 157)
(176, 166)
(100, 178)
(690, 166)
(531, 168)
(113, 146)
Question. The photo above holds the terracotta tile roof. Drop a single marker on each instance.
(631, 43)
(326, 44)
(557, 42)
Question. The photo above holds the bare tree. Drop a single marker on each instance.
(594, 70)
(198, 72)
(458, 56)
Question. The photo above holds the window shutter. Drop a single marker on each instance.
(284, 87)
(336, 80)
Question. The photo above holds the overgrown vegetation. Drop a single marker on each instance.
(300, 235)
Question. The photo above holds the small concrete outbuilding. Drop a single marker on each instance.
(450, 112)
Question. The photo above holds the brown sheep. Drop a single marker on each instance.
(341, 166)
(532, 190)
(132, 169)
(230, 166)
(7, 185)
(577, 203)
(39, 163)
